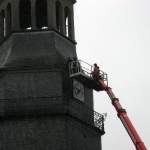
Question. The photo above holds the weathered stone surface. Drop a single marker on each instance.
(37, 108)
(53, 132)
(33, 134)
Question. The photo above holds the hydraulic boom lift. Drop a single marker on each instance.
(100, 83)
(122, 114)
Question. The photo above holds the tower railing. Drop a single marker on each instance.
(87, 115)
(99, 120)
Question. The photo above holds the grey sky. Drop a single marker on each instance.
(116, 35)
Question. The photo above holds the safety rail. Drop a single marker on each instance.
(99, 120)
(87, 114)
(81, 67)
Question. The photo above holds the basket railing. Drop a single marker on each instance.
(81, 67)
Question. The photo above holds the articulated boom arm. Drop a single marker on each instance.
(123, 116)
(76, 68)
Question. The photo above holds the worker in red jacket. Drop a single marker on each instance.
(96, 72)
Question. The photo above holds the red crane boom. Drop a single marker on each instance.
(122, 114)
(77, 70)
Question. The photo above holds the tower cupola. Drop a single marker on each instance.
(36, 15)
(36, 32)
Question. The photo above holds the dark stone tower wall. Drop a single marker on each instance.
(54, 132)
(37, 106)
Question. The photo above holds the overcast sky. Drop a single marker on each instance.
(116, 35)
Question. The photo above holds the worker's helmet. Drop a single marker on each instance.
(95, 65)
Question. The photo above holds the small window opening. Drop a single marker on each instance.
(67, 22)
(67, 26)
(8, 19)
(41, 14)
(25, 14)
(44, 28)
(29, 28)
(58, 16)
(2, 25)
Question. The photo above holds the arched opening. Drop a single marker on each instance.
(41, 14)
(25, 14)
(8, 19)
(67, 22)
(2, 25)
(58, 16)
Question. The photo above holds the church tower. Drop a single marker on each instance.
(43, 107)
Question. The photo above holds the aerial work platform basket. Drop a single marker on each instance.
(82, 71)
